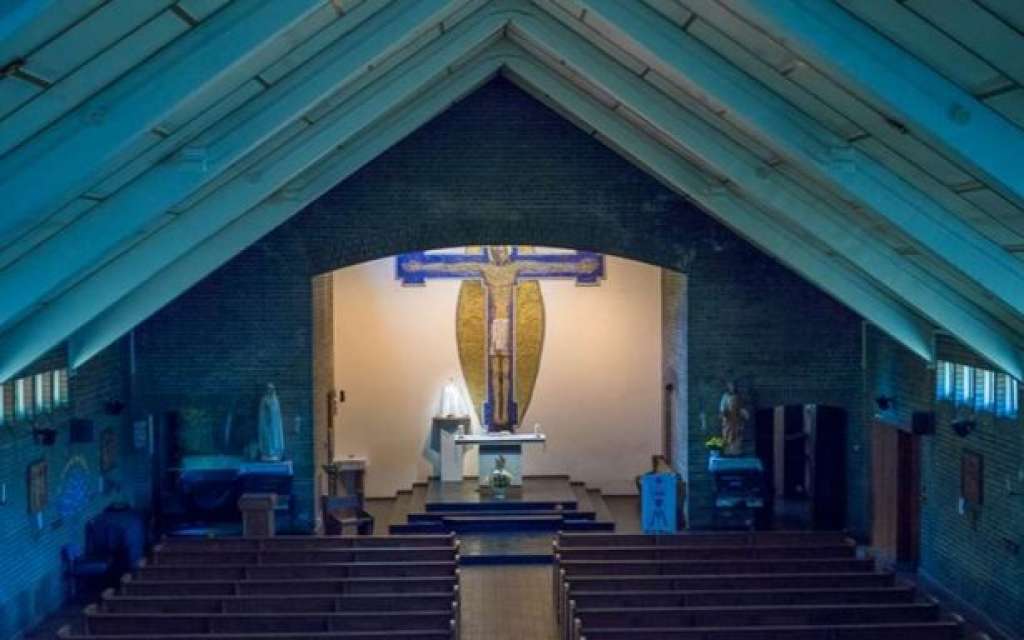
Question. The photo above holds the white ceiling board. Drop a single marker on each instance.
(929, 44)
(91, 36)
(1010, 104)
(68, 93)
(980, 31)
(796, 95)
(199, 10)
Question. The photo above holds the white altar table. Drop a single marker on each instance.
(492, 445)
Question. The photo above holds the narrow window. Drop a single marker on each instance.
(988, 390)
(55, 388)
(944, 378)
(40, 400)
(21, 399)
(3, 404)
(966, 384)
(1011, 401)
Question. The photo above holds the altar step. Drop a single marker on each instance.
(418, 524)
(516, 528)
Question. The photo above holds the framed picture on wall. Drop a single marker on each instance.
(108, 450)
(38, 491)
(972, 477)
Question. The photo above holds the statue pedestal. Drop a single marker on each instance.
(509, 445)
(257, 514)
(345, 477)
(445, 432)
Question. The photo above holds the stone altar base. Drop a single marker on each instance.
(515, 529)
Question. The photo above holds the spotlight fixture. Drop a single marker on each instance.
(963, 428)
(884, 403)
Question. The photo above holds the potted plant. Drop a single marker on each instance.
(715, 444)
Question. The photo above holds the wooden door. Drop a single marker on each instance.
(896, 495)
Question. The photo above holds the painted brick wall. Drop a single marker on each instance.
(674, 363)
(502, 168)
(976, 554)
(967, 554)
(32, 584)
(754, 321)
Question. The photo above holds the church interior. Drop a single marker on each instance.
(511, 319)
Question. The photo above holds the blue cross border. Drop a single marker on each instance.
(420, 276)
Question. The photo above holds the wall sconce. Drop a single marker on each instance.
(44, 436)
(885, 403)
(963, 428)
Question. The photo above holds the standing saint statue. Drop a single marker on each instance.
(734, 418)
(271, 427)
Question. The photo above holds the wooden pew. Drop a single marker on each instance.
(314, 586)
(290, 603)
(710, 538)
(740, 573)
(170, 557)
(721, 582)
(289, 543)
(148, 572)
(738, 597)
(704, 567)
(136, 625)
(706, 552)
(752, 616)
(948, 629)
(66, 633)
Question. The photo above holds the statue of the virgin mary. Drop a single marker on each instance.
(271, 427)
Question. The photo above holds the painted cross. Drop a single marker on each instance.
(501, 271)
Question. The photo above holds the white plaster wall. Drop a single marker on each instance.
(598, 394)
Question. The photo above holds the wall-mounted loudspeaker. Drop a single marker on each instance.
(963, 428)
(81, 430)
(922, 423)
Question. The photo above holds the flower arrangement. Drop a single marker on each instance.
(715, 444)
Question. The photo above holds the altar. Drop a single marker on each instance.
(506, 444)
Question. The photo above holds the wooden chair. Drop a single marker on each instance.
(346, 513)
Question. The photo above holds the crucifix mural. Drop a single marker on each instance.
(500, 319)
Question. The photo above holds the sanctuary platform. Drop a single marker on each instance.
(515, 529)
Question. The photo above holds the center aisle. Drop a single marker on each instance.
(511, 602)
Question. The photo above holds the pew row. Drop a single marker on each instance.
(292, 543)
(713, 567)
(311, 586)
(707, 552)
(738, 597)
(135, 625)
(948, 629)
(66, 633)
(693, 539)
(278, 603)
(147, 571)
(172, 557)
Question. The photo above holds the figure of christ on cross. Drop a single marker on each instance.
(500, 270)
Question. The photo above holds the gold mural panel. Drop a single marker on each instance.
(471, 338)
(529, 336)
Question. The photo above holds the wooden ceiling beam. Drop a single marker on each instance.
(70, 155)
(897, 84)
(771, 189)
(845, 284)
(808, 145)
(82, 244)
(149, 297)
(61, 315)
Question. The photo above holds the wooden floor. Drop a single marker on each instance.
(507, 603)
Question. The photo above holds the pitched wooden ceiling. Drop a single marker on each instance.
(874, 146)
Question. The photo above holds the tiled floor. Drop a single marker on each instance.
(507, 603)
